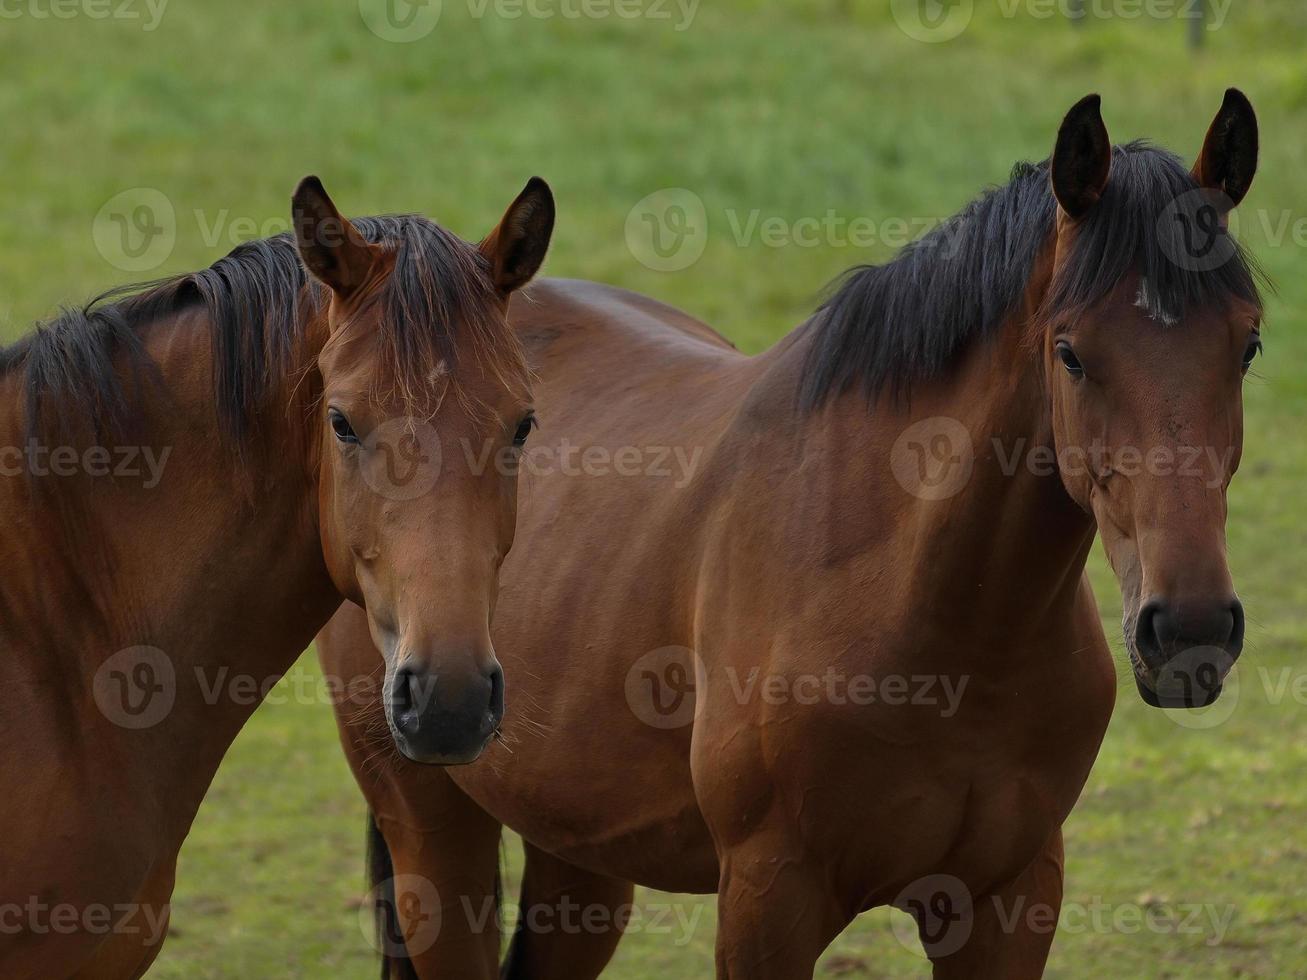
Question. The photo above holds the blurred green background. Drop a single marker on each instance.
(773, 110)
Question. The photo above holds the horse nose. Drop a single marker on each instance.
(1168, 629)
(445, 718)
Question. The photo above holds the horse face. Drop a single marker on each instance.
(1148, 420)
(1148, 414)
(418, 490)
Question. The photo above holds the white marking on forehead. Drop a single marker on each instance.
(1151, 303)
(440, 371)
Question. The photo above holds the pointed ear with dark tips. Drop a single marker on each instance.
(1082, 158)
(517, 246)
(1228, 160)
(329, 245)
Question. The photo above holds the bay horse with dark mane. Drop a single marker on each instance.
(287, 416)
(854, 661)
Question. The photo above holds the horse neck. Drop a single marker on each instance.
(1005, 551)
(216, 564)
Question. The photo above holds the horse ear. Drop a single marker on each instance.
(517, 246)
(1228, 159)
(330, 247)
(1082, 158)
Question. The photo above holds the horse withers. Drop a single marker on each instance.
(293, 422)
(849, 657)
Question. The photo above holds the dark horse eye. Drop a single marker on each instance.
(523, 430)
(340, 425)
(1070, 361)
(1254, 348)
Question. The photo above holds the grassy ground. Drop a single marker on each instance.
(790, 110)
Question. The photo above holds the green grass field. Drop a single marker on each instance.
(790, 110)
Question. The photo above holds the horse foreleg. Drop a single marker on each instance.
(138, 932)
(1009, 932)
(776, 913)
(441, 912)
(544, 945)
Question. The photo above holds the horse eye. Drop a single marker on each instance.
(1070, 361)
(523, 430)
(340, 425)
(1249, 355)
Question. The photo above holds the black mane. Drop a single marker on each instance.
(257, 298)
(887, 327)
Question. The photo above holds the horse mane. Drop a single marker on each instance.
(887, 327)
(437, 302)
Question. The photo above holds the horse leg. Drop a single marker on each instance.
(440, 917)
(776, 913)
(544, 946)
(138, 936)
(1011, 929)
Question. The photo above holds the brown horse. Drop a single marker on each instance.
(145, 609)
(850, 658)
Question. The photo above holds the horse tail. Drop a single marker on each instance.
(395, 962)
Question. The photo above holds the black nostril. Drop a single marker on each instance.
(1152, 631)
(1163, 633)
(1237, 627)
(405, 701)
(401, 697)
(497, 693)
